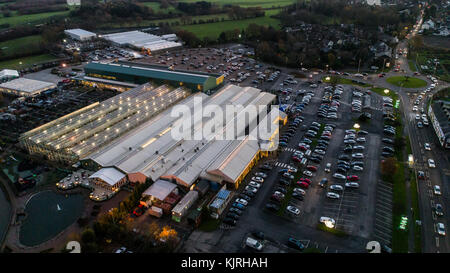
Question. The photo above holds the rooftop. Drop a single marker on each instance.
(27, 85)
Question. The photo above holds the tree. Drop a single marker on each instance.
(389, 167)
(88, 236)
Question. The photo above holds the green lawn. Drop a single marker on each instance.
(339, 80)
(26, 61)
(411, 82)
(24, 44)
(30, 18)
(412, 66)
(213, 30)
(249, 3)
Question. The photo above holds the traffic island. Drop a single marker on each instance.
(407, 82)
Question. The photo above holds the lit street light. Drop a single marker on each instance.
(356, 126)
(386, 91)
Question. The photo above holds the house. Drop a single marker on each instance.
(428, 25)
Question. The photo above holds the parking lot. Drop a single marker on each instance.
(354, 209)
(48, 106)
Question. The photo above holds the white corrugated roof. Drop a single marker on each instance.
(80, 32)
(27, 85)
(109, 175)
(9, 73)
(160, 189)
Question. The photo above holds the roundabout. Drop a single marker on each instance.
(407, 82)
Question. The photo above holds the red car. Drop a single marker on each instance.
(303, 148)
(352, 178)
(296, 159)
(311, 168)
(139, 210)
(304, 185)
(305, 180)
(326, 134)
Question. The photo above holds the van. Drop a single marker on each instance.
(253, 243)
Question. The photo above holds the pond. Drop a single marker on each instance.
(47, 214)
(5, 211)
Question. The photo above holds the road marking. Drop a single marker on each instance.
(437, 242)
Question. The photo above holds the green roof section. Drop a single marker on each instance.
(141, 73)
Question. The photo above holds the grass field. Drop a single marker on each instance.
(411, 82)
(156, 7)
(30, 18)
(23, 44)
(26, 61)
(249, 3)
(213, 30)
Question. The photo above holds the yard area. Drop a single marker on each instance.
(409, 82)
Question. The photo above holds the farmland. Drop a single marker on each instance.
(21, 63)
(213, 30)
(250, 3)
(15, 20)
(23, 45)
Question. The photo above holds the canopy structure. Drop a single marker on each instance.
(109, 175)
(160, 189)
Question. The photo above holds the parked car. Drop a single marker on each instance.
(352, 185)
(292, 209)
(295, 243)
(333, 195)
(336, 188)
(272, 207)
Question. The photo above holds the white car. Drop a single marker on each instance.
(308, 173)
(254, 184)
(242, 201)
(300, 191)
(431, 163)
(440, 229)
(263, 175)
(427, 146)
(417, 117)
(328, 168)
(352, 185)
(251, 189)
(332, 195)
(329, 222)
(287, 175)
(336, 188)
(121, 250)
(437, 190)
(415, 108)
(318, 151)
(358, 168)
(358, 155)
(339, 176)
(258, 179)
(361, 139)
(293, 210)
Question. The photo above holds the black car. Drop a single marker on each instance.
(439, 210)
(388, 132)
(294, 243)
(315, 159)
(282, 190)
(341, 170)
(388, 140)
(232, 216)
(272, 207)
(258, 234)
(348, 150)
(307, 140)
(245, 197)
(323, 183)
(229, 221)
(249, 193)
(297, 196)
(344, 157)
(284, 182)
(322, 147)
(386, 154)
(235, 211)
(388, 149)
(266, 167)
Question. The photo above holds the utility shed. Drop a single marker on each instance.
(159, 190)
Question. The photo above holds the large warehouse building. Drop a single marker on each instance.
(150, 149)
(25, 87)
(439, 113)
(137, 73)
(80, 34)
(143, 41)
(76, 135)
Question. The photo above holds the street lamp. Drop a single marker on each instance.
(386, 91)
(327, 79)
(356, 126)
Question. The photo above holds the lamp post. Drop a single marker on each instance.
(356, 126)
(386, 91)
